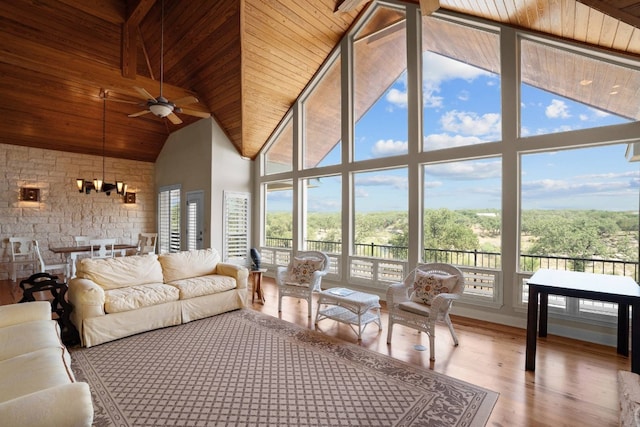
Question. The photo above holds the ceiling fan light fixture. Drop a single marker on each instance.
(161, 110)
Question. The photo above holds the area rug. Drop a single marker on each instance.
(245, 368)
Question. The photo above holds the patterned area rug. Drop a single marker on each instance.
(245, 368)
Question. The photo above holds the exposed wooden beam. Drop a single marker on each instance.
(79, 69)
(136, 11)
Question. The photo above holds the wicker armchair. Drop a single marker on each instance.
(302, 277)
(422, 316)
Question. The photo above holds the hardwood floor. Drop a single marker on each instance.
(574, 383)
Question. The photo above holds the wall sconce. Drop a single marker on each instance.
(129, 197)
(29, 194)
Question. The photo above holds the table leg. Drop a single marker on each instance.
(257, 286)
(635, 341)
(544, 314)
(623, 329)
(532, 323)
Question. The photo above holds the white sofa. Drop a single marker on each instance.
(37, 386)
(117, 297)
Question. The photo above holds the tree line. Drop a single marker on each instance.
(569, 233)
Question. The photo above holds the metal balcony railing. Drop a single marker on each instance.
(474, 258)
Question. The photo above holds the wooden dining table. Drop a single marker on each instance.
(71, 253)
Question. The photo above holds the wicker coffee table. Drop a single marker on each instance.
(351, 307)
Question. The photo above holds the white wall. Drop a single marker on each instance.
(201, 157)
(63, 212)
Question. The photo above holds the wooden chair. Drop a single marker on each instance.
(23, 254)
(147, 243)
(83, 240)
(26, 252)
(410, 306)
(51, 267)
(102, 248)
(302, 277)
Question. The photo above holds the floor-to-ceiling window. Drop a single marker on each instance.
(460, 153)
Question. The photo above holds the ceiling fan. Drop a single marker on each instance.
(161, 106)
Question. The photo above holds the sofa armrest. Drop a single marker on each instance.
(87, 298)
(14, 314)
(64, 405)
(238, 272)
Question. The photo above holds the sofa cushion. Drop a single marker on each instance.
(120, 272)
(133, 297)
(203, 285)
(34, 371)
(186, 264)
(29, 336)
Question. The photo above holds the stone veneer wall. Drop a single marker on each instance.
(63, 212)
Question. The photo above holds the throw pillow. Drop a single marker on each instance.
(303, 268)
(426, 286)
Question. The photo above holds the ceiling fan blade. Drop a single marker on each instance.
(145, 95)
(174, 119)
(186, 100)
(139, 113)
(195, 113)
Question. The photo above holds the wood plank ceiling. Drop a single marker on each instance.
(246, 61)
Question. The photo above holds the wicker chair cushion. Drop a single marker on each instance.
(303, 268)
(427, 285)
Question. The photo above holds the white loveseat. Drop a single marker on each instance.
(116, 297)
(37, 386)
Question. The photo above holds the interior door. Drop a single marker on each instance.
(195, 220)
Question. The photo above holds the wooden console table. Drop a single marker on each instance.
(600, 287)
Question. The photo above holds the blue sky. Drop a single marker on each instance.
(462, 107)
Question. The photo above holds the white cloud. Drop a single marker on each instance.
(557, 110)
(611, 175)
(436, 141)
(469, 123)
(382, 180)
(389, 147)
(464, 95)
(430, 100)
(397, 98)
(438, 69)
(466, 171)
(361, 192)
(599, 113)
(577, 188)
(432, 184)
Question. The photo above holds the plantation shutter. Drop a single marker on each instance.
(169, 220)
(236, 228)
(192, 226)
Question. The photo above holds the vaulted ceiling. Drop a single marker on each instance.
(246, 61)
